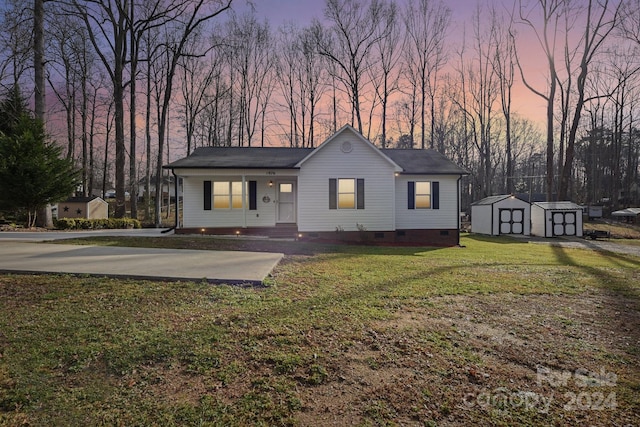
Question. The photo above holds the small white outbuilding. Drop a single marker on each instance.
(504, 214)
(551, 219)
(92, 207)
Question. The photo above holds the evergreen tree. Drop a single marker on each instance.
(33, 171)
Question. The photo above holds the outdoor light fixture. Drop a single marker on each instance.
(202, 231)
(270, 183)
(237, 233)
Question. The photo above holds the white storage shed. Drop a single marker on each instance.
(504, 214)
(551, 219)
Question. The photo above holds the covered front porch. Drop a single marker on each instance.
(258, 202)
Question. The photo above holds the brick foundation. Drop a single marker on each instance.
(448, 237)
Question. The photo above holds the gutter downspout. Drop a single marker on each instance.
(458, 208)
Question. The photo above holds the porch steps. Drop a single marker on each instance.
(283, 231)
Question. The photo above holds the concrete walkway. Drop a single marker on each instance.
(231, 267)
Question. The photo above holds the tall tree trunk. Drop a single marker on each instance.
(133, 175)
(38, 59)
(147, 133)
(45, 217)
(85, 143)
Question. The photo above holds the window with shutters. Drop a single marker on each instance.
(346, 193)
(228, 195)
(423, 195)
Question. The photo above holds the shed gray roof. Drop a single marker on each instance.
(560, 206)
(490, 200)
(411, 161)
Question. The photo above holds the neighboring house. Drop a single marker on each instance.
(504, 214)
(551, 219)
(345, 189)
(168, 187)
(83, 207)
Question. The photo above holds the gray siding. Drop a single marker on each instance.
(194, 214)
(447, 217)
(330, 161)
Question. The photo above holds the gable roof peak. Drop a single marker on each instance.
(360, 137)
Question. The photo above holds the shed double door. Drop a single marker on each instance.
(511, 221)
(564, 223)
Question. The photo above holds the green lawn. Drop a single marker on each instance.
(341, 335)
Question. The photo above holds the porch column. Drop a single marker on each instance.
(244, 201)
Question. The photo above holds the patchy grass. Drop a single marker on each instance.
(500, 332)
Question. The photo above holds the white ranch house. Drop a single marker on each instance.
(345, 189)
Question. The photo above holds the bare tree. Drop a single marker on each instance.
(600, 20)
(477, 97)
(550, 11)
(38, 60)
(196, 76)
(64, 73)
(301, 75)
(15, 43)
(426, 23)
(354, 32)
(288, 70)
(107, 21)
(250, 42)
(504, 67)
(192, 15)
(384, 72)
(313, 80)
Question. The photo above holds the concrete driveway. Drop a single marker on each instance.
(19, 253)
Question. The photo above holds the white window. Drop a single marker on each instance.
(227, 194)
(423, 195)
(346, 193)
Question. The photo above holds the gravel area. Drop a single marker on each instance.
(596, 245)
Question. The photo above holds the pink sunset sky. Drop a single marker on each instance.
(302, 12)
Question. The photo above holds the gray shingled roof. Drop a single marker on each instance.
(242, 157)
(419, 162)
(412, 161)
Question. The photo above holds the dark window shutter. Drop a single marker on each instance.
(253, 195)
(360, 193)
(333, 193)
(411, 195)
(207, 195)
(435, 195)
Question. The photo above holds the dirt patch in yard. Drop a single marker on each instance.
(488, 360)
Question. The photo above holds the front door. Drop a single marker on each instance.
(286, 202)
